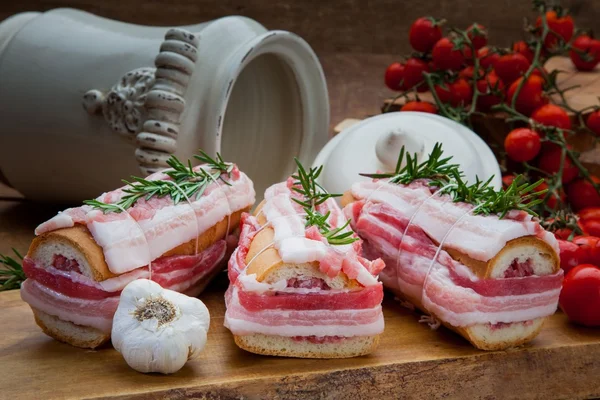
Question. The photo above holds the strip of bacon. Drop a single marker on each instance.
(369, 297)
(151, 227)
(451, 291)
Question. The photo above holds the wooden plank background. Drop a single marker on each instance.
(356, 26)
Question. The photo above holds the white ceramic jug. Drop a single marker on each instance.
(86, 101)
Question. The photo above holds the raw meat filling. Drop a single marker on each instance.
(519, 269)
(307, 283)
(501, 325)
(318, 339)
(62, 263)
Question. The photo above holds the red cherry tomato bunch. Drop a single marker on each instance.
(466, 75)
(440, 54)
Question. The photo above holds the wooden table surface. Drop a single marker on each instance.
(411, 362)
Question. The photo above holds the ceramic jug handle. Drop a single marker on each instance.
(146, 103)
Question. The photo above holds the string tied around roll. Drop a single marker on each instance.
(145, 238)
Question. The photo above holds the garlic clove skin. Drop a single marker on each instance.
(158, 330)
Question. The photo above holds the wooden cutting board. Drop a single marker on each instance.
(412, 362)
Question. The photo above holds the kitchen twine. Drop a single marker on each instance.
(229, 211)
(269, 223)
(145, 238)
(195, 221)
(431, 320)
(433, 323)
(144, 233)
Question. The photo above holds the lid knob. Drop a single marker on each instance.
(388, 147)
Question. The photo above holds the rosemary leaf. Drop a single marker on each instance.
(520, 195)
(186, 183)
(11, 272)
(313, 194)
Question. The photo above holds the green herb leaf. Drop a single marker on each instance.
(313, 194)
(11, 272)
(185, 180)
(448, 177)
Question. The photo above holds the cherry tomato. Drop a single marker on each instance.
(530, 97)
(569, 254)
(445, 56)
(552, 115)
(563, 233)
(561, 28)
(478, 35)
(456, 93)
(469, 72)
(552, 201)
(590, 47)
(593, 122)
(538, 72)
(580, 295)
(588, 249)
(510, 67)
(591, 227)
(394, 74)
(549, 161)
(589, 213)
(582, 194)
(424, 33)
(413, 72)
(507, 180)
(522, 144)
(421, 106)
(522, 48)
(491, 91)
(487, 57)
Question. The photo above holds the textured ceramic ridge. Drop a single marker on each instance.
(165, 102)
(123, 105)
(256, 96)
(147, 102)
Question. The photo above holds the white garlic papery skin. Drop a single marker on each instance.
(158, 330)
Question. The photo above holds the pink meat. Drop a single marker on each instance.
(172, 272)
(63, 283)
(299, 317)
(152, 227)
(480, 237)
(319, 339)
(446, 287)
(305, 308)
(323, 300)
(97, 313)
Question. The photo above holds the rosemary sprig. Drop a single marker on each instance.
(435, 167)
(518, 196)
(186, 183)
(313, 194)
(11, 272)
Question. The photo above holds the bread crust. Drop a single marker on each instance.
(470, 333)
(264, 259)
(80, 238)
(484, 270)
(271, 345)
(85, 337)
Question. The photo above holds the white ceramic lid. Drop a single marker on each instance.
(374, 144)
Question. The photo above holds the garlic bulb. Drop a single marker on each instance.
(158, 330)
